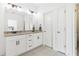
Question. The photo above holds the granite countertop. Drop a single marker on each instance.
(8, 34)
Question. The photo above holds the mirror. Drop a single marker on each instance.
(12, 25)
(14, 20)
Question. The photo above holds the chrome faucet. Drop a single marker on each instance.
(11, 28)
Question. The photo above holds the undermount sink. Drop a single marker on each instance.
(13, 32)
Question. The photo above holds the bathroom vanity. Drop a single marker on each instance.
(21, 42)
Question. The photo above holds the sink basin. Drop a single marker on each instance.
(13, 32)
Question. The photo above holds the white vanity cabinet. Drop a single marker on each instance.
(37, 39)
(33, 40)
(29, 42)
(11, 48)
(15, 45)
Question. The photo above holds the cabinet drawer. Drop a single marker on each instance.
(29, 47)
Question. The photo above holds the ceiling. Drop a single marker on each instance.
(40, 7)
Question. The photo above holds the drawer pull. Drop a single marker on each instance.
(17, 42)
(29, 40)
(30, 45)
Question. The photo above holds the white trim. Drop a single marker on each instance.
(75, 32)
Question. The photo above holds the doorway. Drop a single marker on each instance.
(55, 28)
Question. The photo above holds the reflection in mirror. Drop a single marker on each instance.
(12, 25)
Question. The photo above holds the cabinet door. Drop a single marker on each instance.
(35, 41)
(39, 39)
(11, 48)
(20, 44)
(15, 45)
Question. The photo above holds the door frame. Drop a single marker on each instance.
(75, 31)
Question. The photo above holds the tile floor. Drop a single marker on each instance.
(43, 51)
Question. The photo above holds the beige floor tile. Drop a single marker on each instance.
(43, 51)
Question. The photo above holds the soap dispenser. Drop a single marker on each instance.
(33, 28)
(40, 28)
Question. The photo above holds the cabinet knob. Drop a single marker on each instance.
(38, 37)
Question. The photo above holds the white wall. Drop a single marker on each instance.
(2, 40)
(27, 22)
(33, 19)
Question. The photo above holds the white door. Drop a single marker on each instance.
(47, 29)
(60, 31)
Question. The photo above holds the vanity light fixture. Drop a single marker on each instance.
(29, 11)
(16, 7)
(13, 5)
(19, 8)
